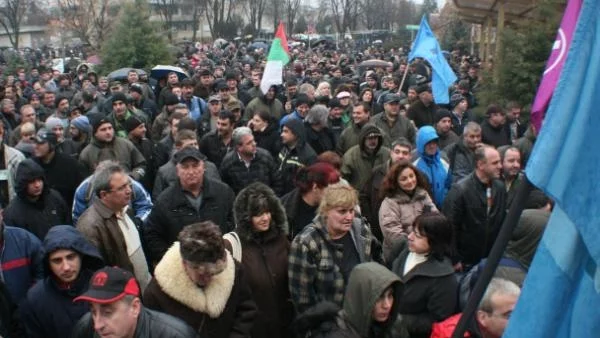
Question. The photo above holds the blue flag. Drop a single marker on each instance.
(561, 292)
(427, 47)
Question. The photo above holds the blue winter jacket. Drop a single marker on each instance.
(196, 106)
(434, 167)
(20, 261)
(49, 310)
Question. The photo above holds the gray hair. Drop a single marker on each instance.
(497, 286)
(4, 102)
(238, 134)
(103, 174)
(318, 114)
(306, 88)
(472, 127)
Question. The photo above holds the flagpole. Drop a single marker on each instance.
(403, 78)
(510, 222)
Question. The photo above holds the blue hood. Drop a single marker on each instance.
(425, 135)
(68, 237)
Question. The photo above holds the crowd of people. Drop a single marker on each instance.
(343, 203)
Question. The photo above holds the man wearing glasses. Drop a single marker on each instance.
(107, 225)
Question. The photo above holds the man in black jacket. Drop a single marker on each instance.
(476, 206)
(246, 164)
(217, 142)
(114, 296)
(55, 163)
(136, 133)
(294, 154)
(37, 207)
(195, 198)
(423, 111)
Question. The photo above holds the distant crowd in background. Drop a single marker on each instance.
(343, 203)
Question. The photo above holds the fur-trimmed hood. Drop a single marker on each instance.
(242, 209)
(172, 279)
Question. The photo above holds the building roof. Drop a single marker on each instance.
(476, 11)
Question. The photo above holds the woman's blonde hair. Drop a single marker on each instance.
(336, 196)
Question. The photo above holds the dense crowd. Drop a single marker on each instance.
(343, 203)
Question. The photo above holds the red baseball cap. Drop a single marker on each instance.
(109, 285)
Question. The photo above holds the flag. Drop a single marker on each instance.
(277, 58)
(555, 63)
(427, 47)
(560, 295)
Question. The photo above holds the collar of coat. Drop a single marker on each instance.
(403, 198)
(173, 280)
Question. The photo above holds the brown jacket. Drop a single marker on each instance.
(98, 224)
(222, 309)
(265, 263)
(397, 214)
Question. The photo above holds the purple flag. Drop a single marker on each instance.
(555, 63)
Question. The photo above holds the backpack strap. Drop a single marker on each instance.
(236, 245)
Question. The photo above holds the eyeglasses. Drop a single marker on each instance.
(215, 103)
(122, 188)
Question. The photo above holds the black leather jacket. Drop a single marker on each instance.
(476, 227)
(150, 324)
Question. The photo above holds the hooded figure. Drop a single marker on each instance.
(431, 164)
(267, 103)
(37, 207)
(264, 258)
(49, 310)
(360, 160)
(289, 159)
(367, 286)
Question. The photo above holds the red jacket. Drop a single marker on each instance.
(446, 328)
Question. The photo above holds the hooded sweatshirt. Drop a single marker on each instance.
(432, 166)
(359, 163)
(367, 283)
(49, 310)
(40, 215)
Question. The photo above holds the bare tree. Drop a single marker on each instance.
(166, 10)
(197, 8)
(218, 14)
(89, 20)
(291, 10)
(345, 14)
(255, 10)
(11, 15)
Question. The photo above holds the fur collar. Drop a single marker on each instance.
(173, 280)
(403, 198)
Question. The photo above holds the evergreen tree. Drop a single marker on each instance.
(526, 47)
(135, 41)
(428, 7)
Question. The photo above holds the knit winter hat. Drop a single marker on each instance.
(455, 100)
(53, 122)
(440, 114)
(82, 123)
(132, 122)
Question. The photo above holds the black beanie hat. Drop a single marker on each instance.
(440, 114)
(119, 96)
(171, 99)
(132, 122)
(97, 122)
